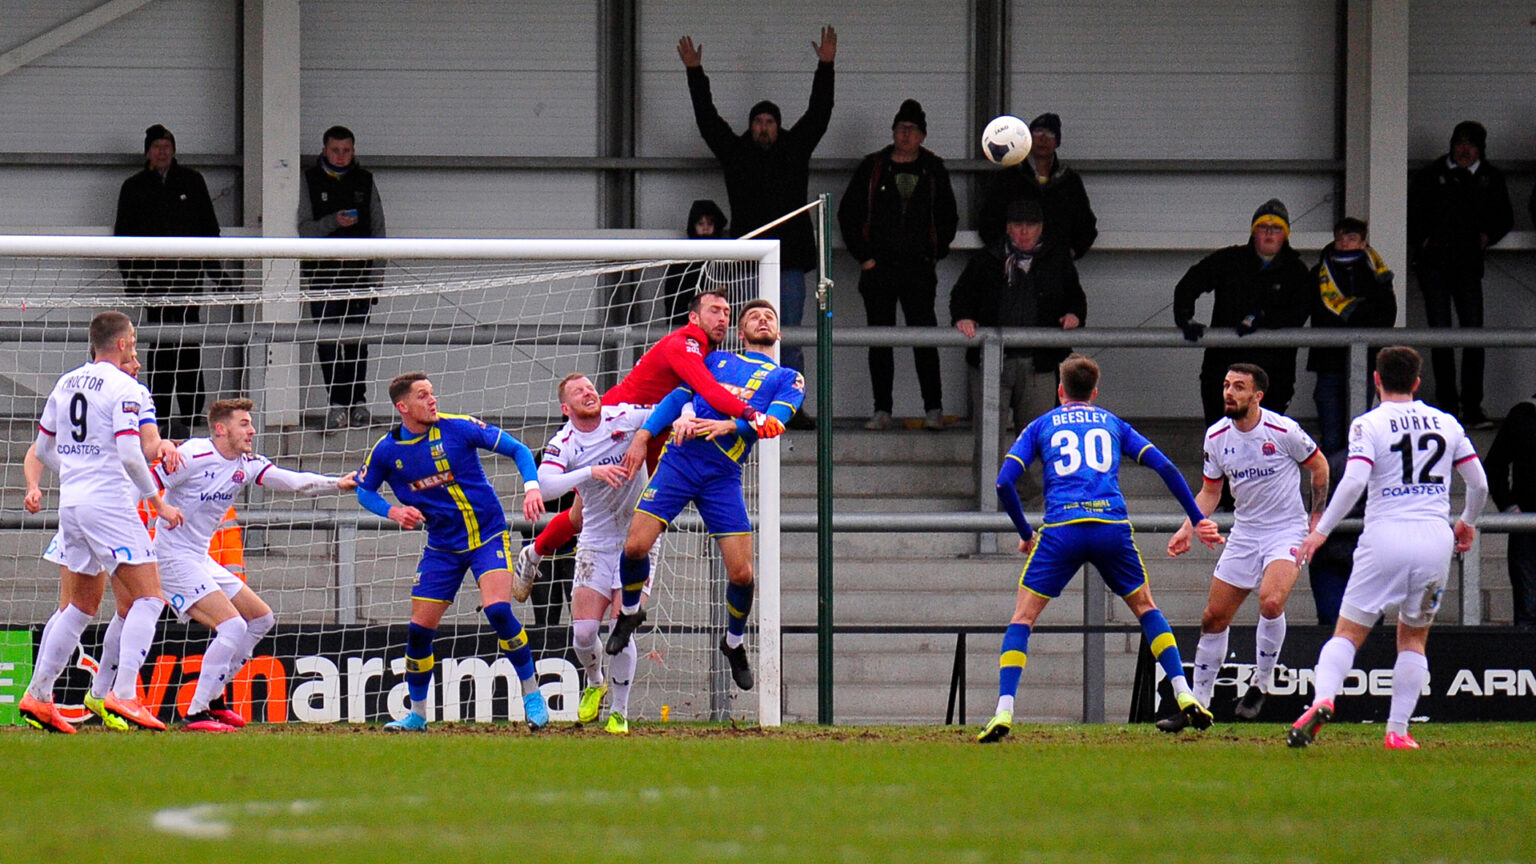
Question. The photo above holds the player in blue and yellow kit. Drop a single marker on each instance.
(1079, 446)
(431, 463)
(703, 464)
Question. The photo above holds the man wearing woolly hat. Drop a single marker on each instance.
(898, 218)
(1258, 285)
(767, 174)
(1458, 205)
(1069, 217)
(167, 199)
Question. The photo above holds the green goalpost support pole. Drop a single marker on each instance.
(824, 470)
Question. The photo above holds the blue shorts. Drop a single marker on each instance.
(440, 572)
(1062, 548)
(714, 489)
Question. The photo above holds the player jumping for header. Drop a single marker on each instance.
(704, 466)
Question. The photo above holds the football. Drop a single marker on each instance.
(1006, 140)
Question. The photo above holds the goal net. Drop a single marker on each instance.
(312, 331)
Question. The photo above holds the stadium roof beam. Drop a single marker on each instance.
(56, 38)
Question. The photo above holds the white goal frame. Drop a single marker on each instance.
(279, 301)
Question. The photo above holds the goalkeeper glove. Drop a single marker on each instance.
(767, 426)
(1193, 330)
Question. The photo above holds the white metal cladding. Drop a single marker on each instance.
(171, 62)
(51, 197)
(1169, 79)
(1471, 62)
(451, 79)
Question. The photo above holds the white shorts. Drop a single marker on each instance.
(91, 540)
(599, 571)
(1244, 559)
(184, 582)
(1401, 564)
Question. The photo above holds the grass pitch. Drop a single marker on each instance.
(699, 793)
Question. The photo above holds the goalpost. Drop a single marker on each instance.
(496, 323)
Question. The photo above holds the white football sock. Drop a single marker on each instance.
(138, 636)
(1210, 653)
(1267, 638)
(1409, 675)
(584, 644)
(106, 667)
(256, 629)
(1333, 663)
(52, 620)
(1004, 703)
(53, 655)
(733, 641)
(621, 674)
(216, 663)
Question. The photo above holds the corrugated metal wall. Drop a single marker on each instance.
(1143, 80)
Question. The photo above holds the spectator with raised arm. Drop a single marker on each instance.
(767, 174)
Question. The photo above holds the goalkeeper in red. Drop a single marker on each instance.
(703, 465)
(677, 360)
(432, 463)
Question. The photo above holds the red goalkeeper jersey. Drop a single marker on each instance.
(676, 360)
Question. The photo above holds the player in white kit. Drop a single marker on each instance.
(90, 435)
(155, 448)
(215, 470)
(1401, 453)
(1260, 454)
(587, 455)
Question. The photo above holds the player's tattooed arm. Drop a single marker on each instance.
(1317, 469)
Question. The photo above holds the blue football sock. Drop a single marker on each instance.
(738, 602)
(633, 573)
(514, 639)
(1011, 663)
(1164, 648)
(418, 665)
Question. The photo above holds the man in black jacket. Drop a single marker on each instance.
(338, 198)
(898, 219)
(1354, 289)
(1458, 205)
(1022, 282)
(168, 200)
(1511, 466)
(767, 174)
(1260, 285)
(1069, 218)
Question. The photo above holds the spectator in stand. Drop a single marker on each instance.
(1458, 205)
(168, 200)
(705, 221)
(1069, 218)
(767, 174)
(1259, 285)
(1024, 281)
(1354, 289)
(338, 198)
(1512, 483)
(898, 219)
